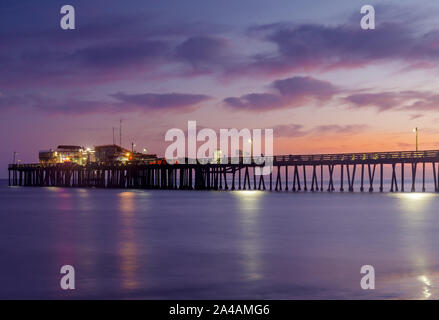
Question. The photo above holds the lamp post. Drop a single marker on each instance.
(251, 144)
(15, 154)
(415, 130)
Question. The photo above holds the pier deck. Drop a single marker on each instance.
(290, 172)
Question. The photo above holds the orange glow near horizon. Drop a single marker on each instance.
(340, 143)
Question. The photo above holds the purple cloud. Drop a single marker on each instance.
(41, 102)
(163, 102)
(202, 52)
(297, 130)
(345, 129)
(289, 130)
(176, 102)
(382, 100)
(291, 92)
(416, 116)
(125, 47)
(121, 47)
(305, 86)
(429, 103)
(405, 100)
(256, 102)
(307, 47)
(120, 55)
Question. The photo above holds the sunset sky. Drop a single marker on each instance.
(304, 68)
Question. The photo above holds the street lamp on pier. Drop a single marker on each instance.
(415, 130)
(251, 150)
(15, 155)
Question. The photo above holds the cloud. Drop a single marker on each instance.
(256, 102)
(382, 101)
(297, 130)
(162, 102)
(41, 102)
(203, 52)
(428, 103)
(9, 102)
(289, 130)
(401, 101)
(305, 87)
(405, 145)
(110, 48)
(290, 93)
(120, 55)
(345, 129)
(399, 37)
(132, 45)
(148, 102)
(416, 116)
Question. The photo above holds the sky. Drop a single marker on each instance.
(303, 68)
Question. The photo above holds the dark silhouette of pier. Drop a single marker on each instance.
(290, 172)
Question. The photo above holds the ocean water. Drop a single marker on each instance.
(141, 244)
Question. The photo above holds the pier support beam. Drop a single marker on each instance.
(341, 177)
(414, 165)
(351, 180)
(394, 180)
(423, 176)
(381, 177)
(331, 179)
(304, 179)
(402, 177)
(371, 176)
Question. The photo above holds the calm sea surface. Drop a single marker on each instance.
(208, 245)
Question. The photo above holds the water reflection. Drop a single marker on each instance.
(65, 201)
(249, 200)
(83, 193)
(414, 202)
(127, 250)
(427, 285)
(414, 207)
(64, 248)
(249, 204)
(54, 189)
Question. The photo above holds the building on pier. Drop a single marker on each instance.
(67, 153)
(111, 153)
(118, 154)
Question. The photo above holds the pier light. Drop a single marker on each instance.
(415, 131)
(15, 156)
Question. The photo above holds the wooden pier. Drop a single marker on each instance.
(290, 172)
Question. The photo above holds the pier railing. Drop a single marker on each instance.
(386, 157)
(361, 156)
(214, 174)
